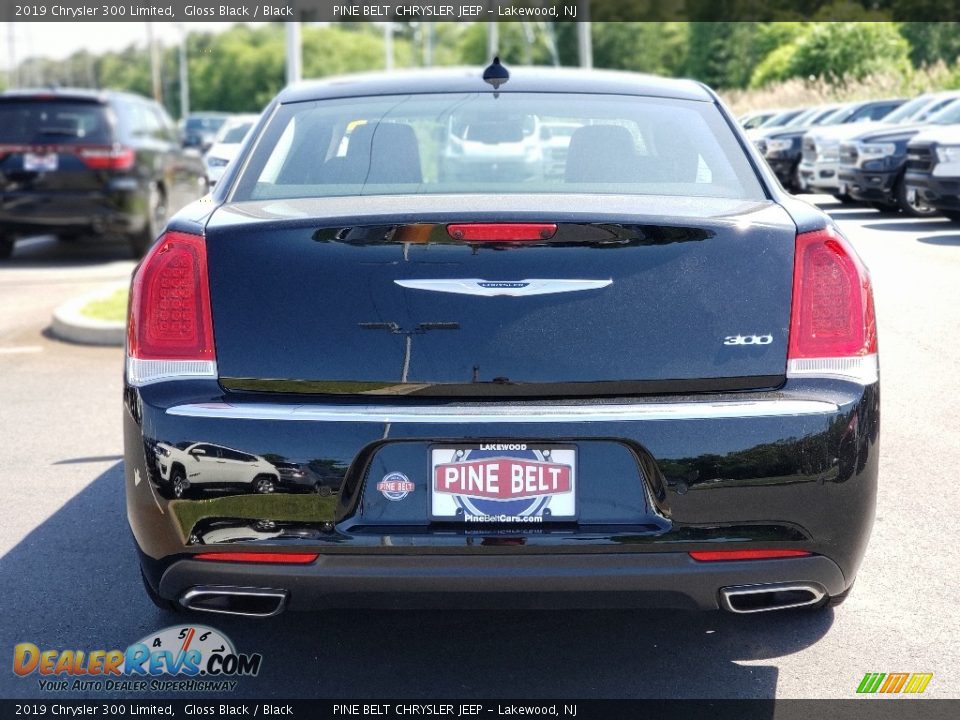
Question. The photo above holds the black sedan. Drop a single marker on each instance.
(77, 163)
(650, 379)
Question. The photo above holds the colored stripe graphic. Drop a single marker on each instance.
(870, 682)
(918, 682)
(894, 683)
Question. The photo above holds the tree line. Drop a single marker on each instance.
(240, 69)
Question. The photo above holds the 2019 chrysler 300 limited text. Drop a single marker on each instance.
(649, 379)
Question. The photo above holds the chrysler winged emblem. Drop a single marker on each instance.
(500, 288)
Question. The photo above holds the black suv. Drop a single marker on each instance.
(933, 169)
(87, 162)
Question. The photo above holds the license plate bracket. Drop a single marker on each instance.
(514, 483)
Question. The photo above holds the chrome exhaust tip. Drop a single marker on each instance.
(746, 599)
(225, 600)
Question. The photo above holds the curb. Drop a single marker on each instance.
(71, 325)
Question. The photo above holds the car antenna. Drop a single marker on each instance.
(496, 74)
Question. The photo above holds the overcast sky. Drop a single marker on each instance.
(59, 40)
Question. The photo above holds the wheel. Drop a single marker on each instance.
(953, 215)
(160, 602)
(6, 248)
(155, 218)
(845, 199)
(917, 208)
(179, 483)
(264, 485)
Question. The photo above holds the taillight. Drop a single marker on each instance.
(833, 326)
(501, 232)
(727, 555)
(107, 157)
(170, 325)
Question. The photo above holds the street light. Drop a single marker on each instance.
(184, 72)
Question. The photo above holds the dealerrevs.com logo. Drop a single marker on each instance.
(187, 658)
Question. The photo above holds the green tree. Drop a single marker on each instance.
(855, 49)
(931, 42)
(723, 54)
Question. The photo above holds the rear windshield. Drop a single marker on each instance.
(514, 143)
(54, 121)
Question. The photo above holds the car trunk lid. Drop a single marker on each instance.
(611, 295)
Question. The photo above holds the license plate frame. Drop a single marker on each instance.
(475, 500)
(40, 162)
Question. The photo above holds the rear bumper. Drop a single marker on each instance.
(665, 579)
(119, 208)
(794, 468)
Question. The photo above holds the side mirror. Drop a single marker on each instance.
(196, 453)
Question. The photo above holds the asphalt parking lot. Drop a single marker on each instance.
(69, 572)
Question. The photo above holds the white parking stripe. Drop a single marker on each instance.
(21, 349)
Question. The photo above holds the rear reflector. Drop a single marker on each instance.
(833, 327)
(107, 157)
(249, 557)
(502, 232)
(170, 326)
(724, 555)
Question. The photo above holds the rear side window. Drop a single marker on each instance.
(514, 143)
(54, 122)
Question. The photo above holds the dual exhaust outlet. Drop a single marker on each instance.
(225, 600)
(267, 602)
(745, 599)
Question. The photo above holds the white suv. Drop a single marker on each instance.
(208, 465)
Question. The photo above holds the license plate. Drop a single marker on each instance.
(911, 195)
(513, 483)
(34, 162)
(842, 188)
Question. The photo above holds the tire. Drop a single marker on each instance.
(161, 603)
(264, 485)
(6, 247)
(179, 485)
(154, 221)
(952, 215)
(915, 209)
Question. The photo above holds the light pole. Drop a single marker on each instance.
(294, 53)
(388, 45)
(12, 57)
(154, 64)
(184, 73)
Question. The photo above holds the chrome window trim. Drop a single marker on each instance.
(521, 413)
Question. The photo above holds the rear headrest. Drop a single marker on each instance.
(602, 153)
(384, 153)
